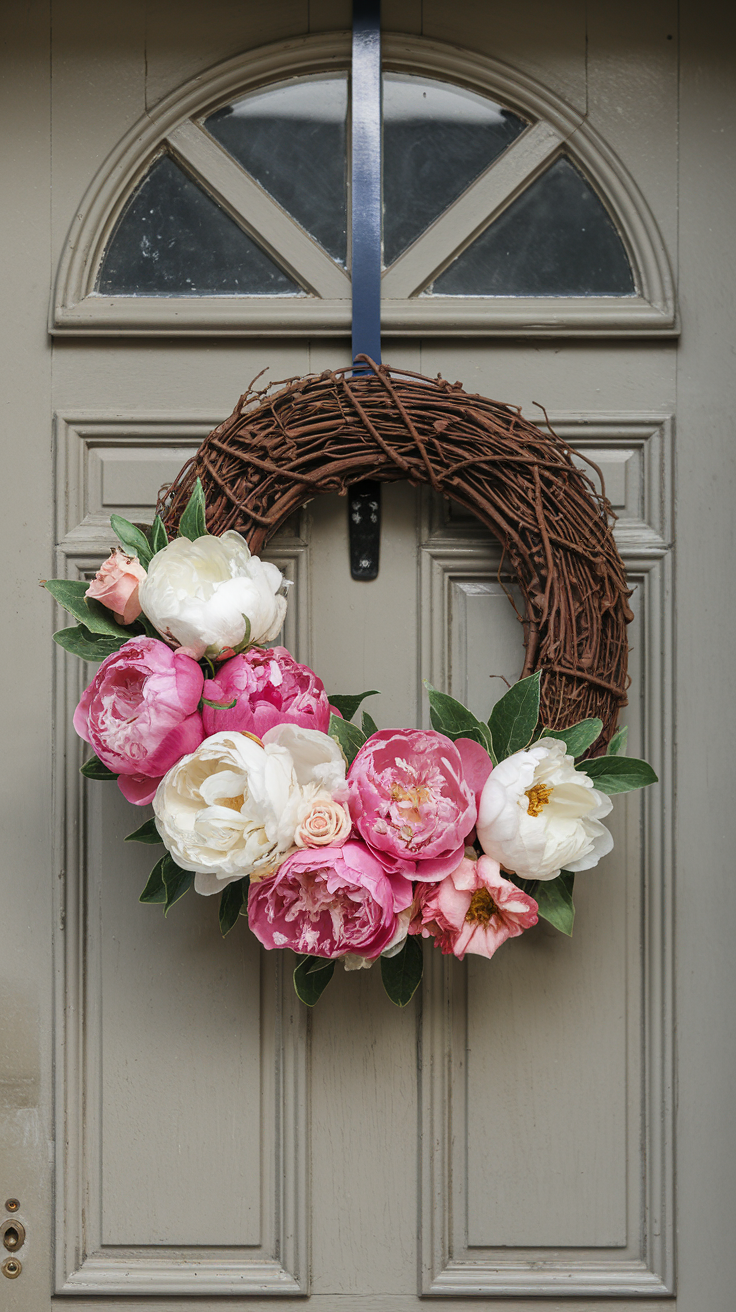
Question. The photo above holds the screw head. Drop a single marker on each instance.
(11, 1268)
(11, 1204)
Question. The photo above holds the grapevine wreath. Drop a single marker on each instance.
(340, 841)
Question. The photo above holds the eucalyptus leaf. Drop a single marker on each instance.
(348, 703)
(232, 899)
(618, 774)
(94, 769)
(554, 899)
(159, 536)
(193, 523)
(401, 974)
(454, 720)
(348, 736)
(146, 833)
(155, 890)
(177, 882)
(80, 641)
(70, 593)
(369, 725)
(579, 737)
(311, 977)
(514, 717)
(617, 745)
(135, 542)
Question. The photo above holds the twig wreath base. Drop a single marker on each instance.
(291, 441)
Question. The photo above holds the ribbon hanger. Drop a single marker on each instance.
(364, 499)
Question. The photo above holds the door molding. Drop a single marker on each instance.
(84, 1264)
(451, 1264)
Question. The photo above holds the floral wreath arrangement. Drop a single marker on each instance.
(339, 841)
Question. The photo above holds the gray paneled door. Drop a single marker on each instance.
(179, 1131)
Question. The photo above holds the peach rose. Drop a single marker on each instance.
(326, 824)
(116, 585)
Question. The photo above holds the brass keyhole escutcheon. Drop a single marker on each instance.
(13, 1235)
(11, 1268)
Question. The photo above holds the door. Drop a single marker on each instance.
(177, 1129)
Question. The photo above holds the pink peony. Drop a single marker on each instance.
(116, 585)
(410, 802)
(270, 687)
(473, 910)
(329, 901)
(140, 714)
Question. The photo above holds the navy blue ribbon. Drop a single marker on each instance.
(364, 500)
(366, 179)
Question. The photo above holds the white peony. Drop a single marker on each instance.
(199, 594)
(538, 815)
(232, 808)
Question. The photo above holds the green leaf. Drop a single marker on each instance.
(220, 706)
(146, 833)
(311, 977)
(617, 745)
(193, 523)
(88, 646)
(155, 890)
(618, 774)
(348, 703)
(94, 769)
(514, 718)
(232, 898)
(159, 536)
(70, 593)
(579, 737)
(554, 899)
(369, 725)
(454, 720)
(401, 974)
(135, 542)
(177, 882)
(348, 736)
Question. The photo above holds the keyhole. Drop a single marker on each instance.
(13, 1234)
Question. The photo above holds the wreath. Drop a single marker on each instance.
(338, 840)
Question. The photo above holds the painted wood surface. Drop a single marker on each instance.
(201, 1139)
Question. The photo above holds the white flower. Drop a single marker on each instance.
(538, 815)
(199, 594)
(232, 808)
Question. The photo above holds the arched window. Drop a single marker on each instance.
(229, 211)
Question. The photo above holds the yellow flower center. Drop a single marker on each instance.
(411, 800)
(481, 908)
(538, 796)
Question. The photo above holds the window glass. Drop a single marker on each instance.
(555, 239)
(437, 138)
(174, 240)
(292, 139)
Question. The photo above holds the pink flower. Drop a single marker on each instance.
(410, 802)
(116, 585)
(328, 901)
(140, 714)
(473, 910)
(270, 687)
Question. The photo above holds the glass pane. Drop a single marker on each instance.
(437, 139)
(174, 240)
(555, 239)
(292, 139)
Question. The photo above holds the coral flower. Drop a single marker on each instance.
(473, 910)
